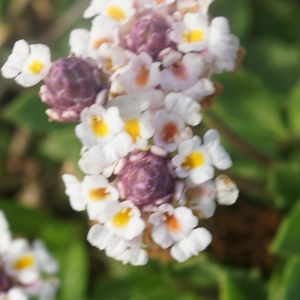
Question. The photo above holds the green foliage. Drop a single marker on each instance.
(285, 283)
(283, 183)
(28, 111)
(287, 240)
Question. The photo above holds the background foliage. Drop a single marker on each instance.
(255, 253)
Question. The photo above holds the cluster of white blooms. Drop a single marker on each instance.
(136, 81)
(22, 267)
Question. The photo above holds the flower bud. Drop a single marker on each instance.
(149, 34)
(147, 179)
(5, 282)
(71, 85)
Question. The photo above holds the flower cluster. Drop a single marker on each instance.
(22, 267)
(136, 81)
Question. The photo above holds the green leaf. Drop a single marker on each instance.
(24, 220)
(199, 272)
(241, 285)
(285, 285)
(238, 13)
(283, 183)
(294, 110)
(278, 62)
(28, 111)
(62, 145)
(251, 110)
(287, 239)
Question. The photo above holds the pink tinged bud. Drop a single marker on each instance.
(146, 179)
(71, 85)
(5, 282)
(149, 34)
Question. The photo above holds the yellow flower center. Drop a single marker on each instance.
(170, 130)
(109, 64)
(173, 224)
(99, 42)
(193, 161)
(98, 194)
(122, 218)
(116, 13)
(36, 67)
(24, 262)
(133, 128)
(99, 127)
(142, 77)
(193, 36)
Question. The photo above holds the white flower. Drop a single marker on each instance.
(13, 294)
(99, 125)
(111, 57)
(100, 237)
(98, 158)
(49, 289)
(143, 74)
(171, 224)
(170, 130)
(78, 42)
(226, 62)
(5, 235)
(201, 198)
(196, 161)
(227, 191)
(28, 64)
(190, 246)
(185, 107)
(202, 88)
(25, 263)
(134, 254)
(124, 219)
(94, 193)
(180, 71)
(137, 120)
(192, 34)
(119, 10)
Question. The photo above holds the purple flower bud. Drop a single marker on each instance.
(71, 85)
(5, 282)
(149, 34)
(147, 179)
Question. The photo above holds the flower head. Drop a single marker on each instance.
(147, 178)
(150, 34)
(71, 85)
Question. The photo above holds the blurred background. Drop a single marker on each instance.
(255, 253)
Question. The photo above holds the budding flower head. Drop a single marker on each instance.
(149, 34)
(147, 178)
(5, 282)
(71, 85)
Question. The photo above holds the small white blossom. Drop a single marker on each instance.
(99, 125)
(192, 34)
(98, 158)
(181, 71)
(26, 263)
(143, 74)
(5, 235)
(190, 246)
(119, 10)
(185, 107)
(13, 294)
(170, 130)
(93, 193)
(28, 64)
(171, 224)
(196, 161)
(227, 191)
